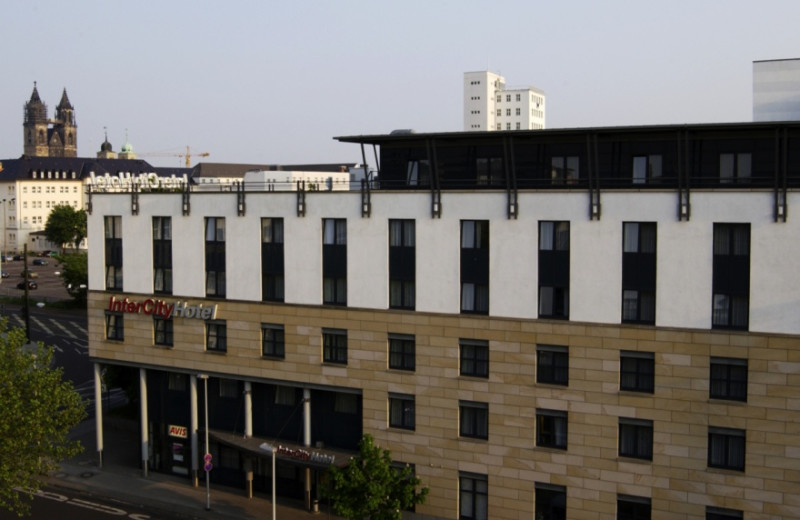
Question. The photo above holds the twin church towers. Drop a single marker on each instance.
(45, 137)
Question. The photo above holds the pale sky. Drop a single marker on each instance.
(264, 81)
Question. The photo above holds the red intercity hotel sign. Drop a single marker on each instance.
(162, 309)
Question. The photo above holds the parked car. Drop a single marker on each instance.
(30, 274)
(4, 274)
(18, 257)
(39, 261)
(52, 254)
(8, 258)
(31, 284)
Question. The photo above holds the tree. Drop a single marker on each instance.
(75, 273)
(38, 410)
(370, 486)
(66, 225)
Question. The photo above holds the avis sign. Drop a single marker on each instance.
(177, 431)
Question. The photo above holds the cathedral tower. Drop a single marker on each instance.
(49, 138)
(35, 126)
(64, 134)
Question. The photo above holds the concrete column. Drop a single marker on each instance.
(193, 425)
(143, 420)
(98, 414)
(307, 441)
(248, 432)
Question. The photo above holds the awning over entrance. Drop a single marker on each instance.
(304, 456)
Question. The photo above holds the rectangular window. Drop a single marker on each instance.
(554, 270)
(551, 429)
(402, 264)
(229, 388)
(418, 173)
(636, 438)
(401, 411)
(272, 259)
(552, 365)
(216, 336)
(162, 331)
(475, 266)
(215, 256)
(718, 513)
(162, 255)
(334, 346)
(115, 327)
(345, 403)
(473, 419)
(646, 169)
(633, 508)
(402, 350)
(565, 169)
(735, 167)
(637, 371)
(731, 279)
(473, 496)
(499, 111)
(272, 342)
(726, 448)
(334, 261)
(285, 396)
(728, 379)
(551, 502)
(177, 382)
(474, 357)
(113, 250)
(639, 272)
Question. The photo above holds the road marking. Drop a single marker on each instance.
(66, 330)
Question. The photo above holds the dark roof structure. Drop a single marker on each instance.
(238, 170)
(25, 167)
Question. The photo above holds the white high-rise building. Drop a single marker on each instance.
(776, 90)
(489, 105)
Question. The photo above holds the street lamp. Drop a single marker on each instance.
(269, 447)
(207, 456)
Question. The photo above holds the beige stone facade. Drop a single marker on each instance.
(677, 480)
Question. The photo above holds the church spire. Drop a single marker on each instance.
(64, 103)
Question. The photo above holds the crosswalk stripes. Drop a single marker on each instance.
(50, 326)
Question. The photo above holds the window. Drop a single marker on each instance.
(215, 256)
(474, 358)
(401, 411)
(554, 270)
(334, 261)
(726, 448)
(499, 98)
(552, 365)
(551, 502)
(272, 259)
(718, 513)
(728, 379)
(216, 336)
(285, 396)
(402, 264)
(418, 173)
(113, 250)
(731, 279)
(475, 266)
(272, 342)
(177, 382)
(345, 403)
(639, 272)
(473, 496)
(646, 169)
(162, 331)
(633, 508)
(334, 346)
(636, 371)
(162, 255)
(402, 352)
(565, 169)
(499, 112)
(115, 327)
(518, 110)
(551, 429)
(734, 167)
(636, 438)
(229, 388)
(473, 419)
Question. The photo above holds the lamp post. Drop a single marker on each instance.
(207, 456)
(269, 447)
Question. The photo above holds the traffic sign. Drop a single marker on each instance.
(208, 467)
(207, 457)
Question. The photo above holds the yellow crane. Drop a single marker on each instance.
(187, 156)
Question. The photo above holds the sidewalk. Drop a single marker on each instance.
(121, 478)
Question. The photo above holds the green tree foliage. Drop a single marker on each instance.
(370, 487)
(37, 410)
(66, 225)
(75, 274)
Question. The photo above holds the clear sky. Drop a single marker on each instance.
(266, 81)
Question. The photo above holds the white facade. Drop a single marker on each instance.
(489, 105)
(776, 90)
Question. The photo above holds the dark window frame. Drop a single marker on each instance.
(162, 255)
(633, 508)
(552, 365)
(727, 448)
(735, 167)
(474, 242)
(112, 225)
(402, 352)
(473, 358)
(653, 168)
(214, 235)
(730, 304)
(163, 331)
(636, 438)
(402, 264)
(548, 424)
(273, 341)
(272, 260)
(637, 371)
(554, 261)
(639, 249)
(115, 326)
(334, 346)
(473, 496)
(334, 261)
(550, 501)
(402, 411)
(727, 379)
(216, 336)
(719, 513)
(473, 420)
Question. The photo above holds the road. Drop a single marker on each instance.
(52, 503)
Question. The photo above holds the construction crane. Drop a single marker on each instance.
(187, 156)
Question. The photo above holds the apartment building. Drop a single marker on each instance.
(589, 323)
(489, 105)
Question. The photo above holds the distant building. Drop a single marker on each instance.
(489, 105)
(45, 137)
(776, 90)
